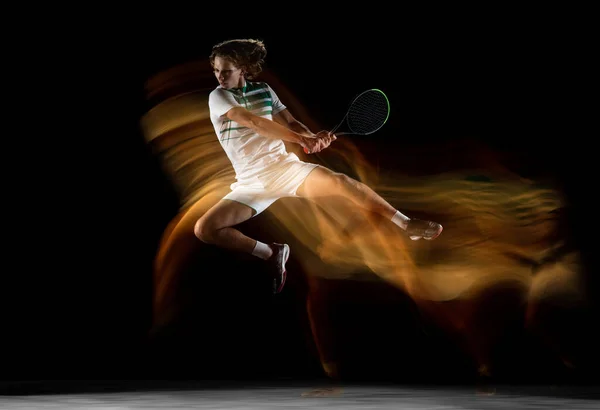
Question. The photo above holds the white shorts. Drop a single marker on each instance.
(278, 181)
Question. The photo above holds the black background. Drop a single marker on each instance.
(91, 202)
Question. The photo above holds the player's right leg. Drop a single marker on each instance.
(216, 227)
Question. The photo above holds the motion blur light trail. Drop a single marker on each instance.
(500, 230)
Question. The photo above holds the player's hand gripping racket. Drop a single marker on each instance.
(368, 112)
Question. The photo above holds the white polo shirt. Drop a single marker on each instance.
(249, 152)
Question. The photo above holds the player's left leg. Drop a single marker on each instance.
(325, 182)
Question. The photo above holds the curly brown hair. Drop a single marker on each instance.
(247, 54)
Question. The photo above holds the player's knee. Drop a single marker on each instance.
(344, 182)
(203, 231)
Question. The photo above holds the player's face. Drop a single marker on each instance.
(228, 75)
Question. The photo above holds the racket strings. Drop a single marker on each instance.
(368, 112)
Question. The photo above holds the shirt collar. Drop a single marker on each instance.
(242, 89)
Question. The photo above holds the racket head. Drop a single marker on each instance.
(368, 112)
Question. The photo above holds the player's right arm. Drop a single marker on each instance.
(264, 126)
(221, 103)
(272, 129)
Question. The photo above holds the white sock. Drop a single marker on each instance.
(262, 250)
(400, 219)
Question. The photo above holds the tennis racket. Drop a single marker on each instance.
(368, 112)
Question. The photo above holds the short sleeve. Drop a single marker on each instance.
(278, 106)
(221, 101)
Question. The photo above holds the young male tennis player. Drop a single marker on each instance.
(252, 123)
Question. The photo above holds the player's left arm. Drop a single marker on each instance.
(286, 119)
